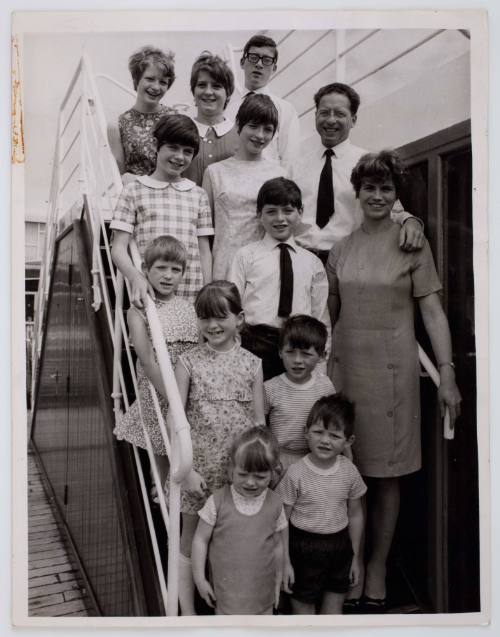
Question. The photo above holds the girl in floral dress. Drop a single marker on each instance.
(132, 142)
(221, 385)
(164, 266)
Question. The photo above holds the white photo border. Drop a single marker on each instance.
(476, 22)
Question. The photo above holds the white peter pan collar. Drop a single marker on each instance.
(220, 129)
(182, 185)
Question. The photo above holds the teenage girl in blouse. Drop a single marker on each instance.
(212, 84)
(233, 184)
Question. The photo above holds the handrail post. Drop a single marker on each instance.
(174, 539)
(180, 443)
(117, 342)
(448, 432)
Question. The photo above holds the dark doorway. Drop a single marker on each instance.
(437, 543)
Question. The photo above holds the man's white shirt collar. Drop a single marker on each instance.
(340, 150)
(263, 90)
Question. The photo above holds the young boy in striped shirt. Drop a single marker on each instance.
(321, 493)
(289, 397)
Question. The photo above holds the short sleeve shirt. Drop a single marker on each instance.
(318, 497)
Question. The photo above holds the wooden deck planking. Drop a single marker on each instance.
(54, 583)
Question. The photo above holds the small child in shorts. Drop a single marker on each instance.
(322, 497)
(289, 397)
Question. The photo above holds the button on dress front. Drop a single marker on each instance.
(375, 352)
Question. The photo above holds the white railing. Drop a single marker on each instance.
(180, 107)
(85, 174)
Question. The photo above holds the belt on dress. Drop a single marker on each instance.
(321, 254)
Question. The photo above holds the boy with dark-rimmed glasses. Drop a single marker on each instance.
(258, 61)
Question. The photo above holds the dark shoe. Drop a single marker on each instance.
(352, 606)
(373, 606)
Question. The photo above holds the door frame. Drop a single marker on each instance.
(431, 149)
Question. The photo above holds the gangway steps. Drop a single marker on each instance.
(55, 586)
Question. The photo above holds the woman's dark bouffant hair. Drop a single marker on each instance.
(177, 129)
(138, 62)
(379, 166)
(218, 70)
(217, 299)
(258, 109)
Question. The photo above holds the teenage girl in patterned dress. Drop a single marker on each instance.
(132, 142)
(221, 385)
(166, 203)
(164, 265)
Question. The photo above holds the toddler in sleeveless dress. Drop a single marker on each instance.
(241, 532)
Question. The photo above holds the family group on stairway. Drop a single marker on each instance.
(285, 277)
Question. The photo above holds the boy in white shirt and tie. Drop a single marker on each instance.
(275, 276)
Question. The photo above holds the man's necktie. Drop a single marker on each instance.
(326, 205)
(286, 281)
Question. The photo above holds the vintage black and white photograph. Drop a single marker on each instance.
(253, 252)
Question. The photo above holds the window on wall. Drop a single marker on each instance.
(34, 240)
(32, 276)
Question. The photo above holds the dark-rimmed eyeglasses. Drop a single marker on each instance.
(254, 58)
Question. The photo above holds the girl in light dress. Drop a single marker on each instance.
(232, 184)
(164, 266)
(221, 385)
(241, 532)
(131, 141)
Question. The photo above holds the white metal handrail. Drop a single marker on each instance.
(94, 174)
(179, 449)
(427, 364)
(179, 471)
(89, 185)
